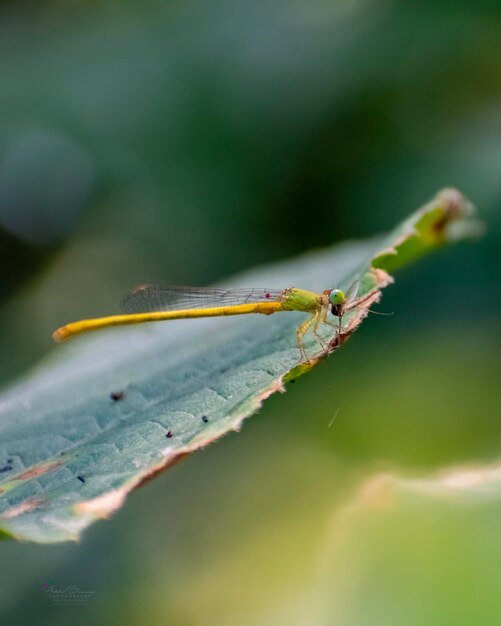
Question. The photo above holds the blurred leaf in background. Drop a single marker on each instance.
(182, 142)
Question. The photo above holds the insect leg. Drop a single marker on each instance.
(319, 317)
(324, 314)
(301, 331)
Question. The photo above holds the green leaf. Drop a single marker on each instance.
(109, 410)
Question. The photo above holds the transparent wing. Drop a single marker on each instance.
(149, 298)
(351, 294)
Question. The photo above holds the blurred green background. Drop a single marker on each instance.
(182, 142)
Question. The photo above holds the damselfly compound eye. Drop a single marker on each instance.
(336, 296)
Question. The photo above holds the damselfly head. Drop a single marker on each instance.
(336, 297)
(337, 300)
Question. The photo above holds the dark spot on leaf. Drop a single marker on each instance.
(117, 395)
(205, 419)
(169, 434)
(293, 380)
(81, 479)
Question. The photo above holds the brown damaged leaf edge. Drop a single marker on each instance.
(30, 503)
(38, 471)
(25, 507)
(158, 469)
(455, 206)
(103, 506)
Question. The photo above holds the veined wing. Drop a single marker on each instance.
(351, 294)
(150, 298)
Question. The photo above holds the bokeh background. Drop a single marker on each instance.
(181, 142)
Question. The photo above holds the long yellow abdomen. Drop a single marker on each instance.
(76, 328)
